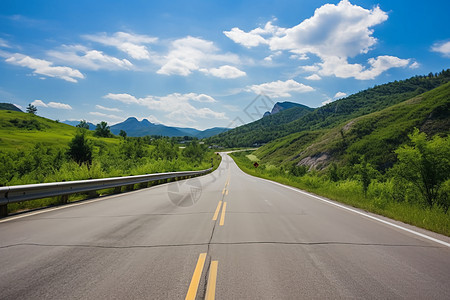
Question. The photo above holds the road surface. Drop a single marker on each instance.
(225, 235)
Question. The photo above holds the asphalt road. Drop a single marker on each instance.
(227, 235)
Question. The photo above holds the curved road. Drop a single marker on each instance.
(227, 235)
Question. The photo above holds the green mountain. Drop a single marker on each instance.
(373, 136)
(328, 116)
(9, 106)
(256, 132)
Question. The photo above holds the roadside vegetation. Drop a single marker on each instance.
(37, 150)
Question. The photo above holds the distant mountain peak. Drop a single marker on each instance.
(280, 106)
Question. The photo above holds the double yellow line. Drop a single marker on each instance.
(212, 278)
(219, 205)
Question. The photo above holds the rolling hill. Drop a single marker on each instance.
(19, 131)
(375, 135)
(330, 115)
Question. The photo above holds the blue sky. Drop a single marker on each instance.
(202, 64)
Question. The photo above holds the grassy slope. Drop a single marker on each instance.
(375, 135)
(328, 116)
(19, 131)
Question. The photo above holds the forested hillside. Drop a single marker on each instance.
(373, 136)
(328, 116)
(260, 131)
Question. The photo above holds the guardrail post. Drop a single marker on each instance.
(64, 199)
(3, 210)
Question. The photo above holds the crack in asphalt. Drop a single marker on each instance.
(325, 243)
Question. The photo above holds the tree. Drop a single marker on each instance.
(80, 150)
(194, 151)
(102, 130)
(31, 109)
(123, 133)
(83, 124)
(165, 149)
(425, 164)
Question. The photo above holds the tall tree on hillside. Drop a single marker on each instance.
(123, 133)
(31, 109)
(83, 124)
(80, 150)
(102, 130)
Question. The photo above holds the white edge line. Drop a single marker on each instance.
(359, 213)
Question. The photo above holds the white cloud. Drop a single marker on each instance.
(132, 44)
(107, 108)
(342, 30)
(38, 103)
(177, 106)
(83, 57)
(51, 104)
(247, 39)
(334, 34)
(190, 54)
(280, 88)
(154, 119)
(46, 68)
(254, 37)
(414, 65)
(225, 72)
(4, 44)
(443, 48)
(339, 95)
(313, 77)
(328, 101)
(340, 67)
(107, 116)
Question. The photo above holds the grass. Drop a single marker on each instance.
(350, 192)
(20, 131)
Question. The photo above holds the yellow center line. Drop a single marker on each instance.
(193, 287)
(216, 214)
(211, 288)
(223, 191)
(222, 217)
(226, 193)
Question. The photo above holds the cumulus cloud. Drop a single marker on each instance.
(56, 105)
(44, 67)
(132, 44)
(225, 72)
(107, 108)
(334, 33)
(280, 88)
(83, 57)
(190, 54)
(339, 95)
(176, 105)
(442, 47)
(254, 37)
(313, 77)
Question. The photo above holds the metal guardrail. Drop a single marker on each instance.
(19, 193)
